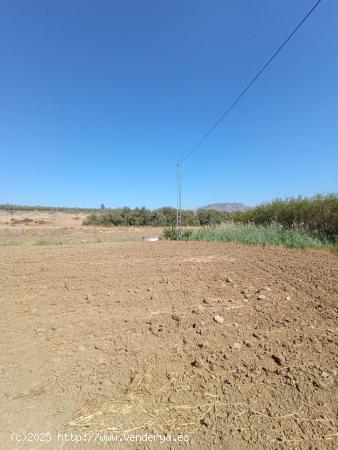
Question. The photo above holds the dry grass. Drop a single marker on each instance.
(142, 408)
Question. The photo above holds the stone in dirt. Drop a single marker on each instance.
(172, 374)
(107, 384)
(100, 360)
(279, 359)
(287, 298)
(218, 319)
(261, 297)
(198, 310)
(205, 422)
(148, 378)
(237, 346)
(198, 363)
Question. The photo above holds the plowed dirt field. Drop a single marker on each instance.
(218, 345)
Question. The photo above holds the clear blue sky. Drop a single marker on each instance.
(98, 100)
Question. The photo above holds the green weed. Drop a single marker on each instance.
(257, 235)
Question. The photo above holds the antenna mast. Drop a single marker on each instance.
(179, 205)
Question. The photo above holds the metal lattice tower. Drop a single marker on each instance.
(179, 204)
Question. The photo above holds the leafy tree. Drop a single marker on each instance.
(211, 217)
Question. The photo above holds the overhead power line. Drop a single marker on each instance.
(248, 86)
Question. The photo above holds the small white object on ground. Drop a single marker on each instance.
(218, 319)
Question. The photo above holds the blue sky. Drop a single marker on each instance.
(99, 99)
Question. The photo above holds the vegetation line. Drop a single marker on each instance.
(294, 222)
(256, 235)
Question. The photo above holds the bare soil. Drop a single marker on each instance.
(234, 346)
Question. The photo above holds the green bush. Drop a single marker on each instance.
(48, 242)
(120, 217)
(171, 234)
(163, 217)
(258, 235)
(211, 217)
(317, 215)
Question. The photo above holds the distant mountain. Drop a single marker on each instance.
(226, 207)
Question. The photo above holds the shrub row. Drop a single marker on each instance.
(10, 207)
(257, 235)
(162, 217)
(317, 215)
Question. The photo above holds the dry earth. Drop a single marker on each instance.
(231, 345)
